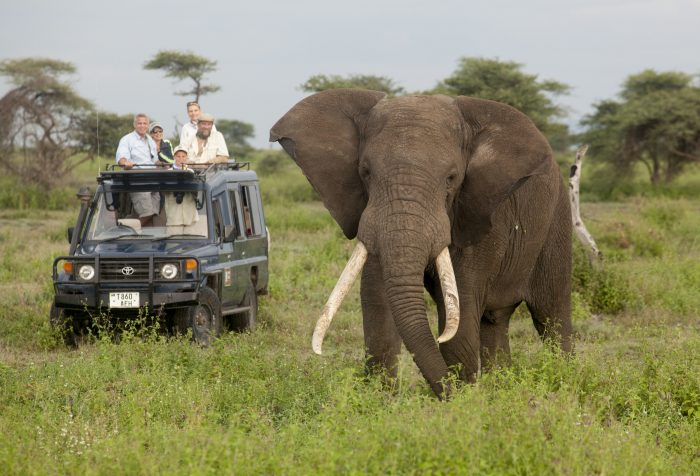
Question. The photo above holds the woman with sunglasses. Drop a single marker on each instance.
(163, 146)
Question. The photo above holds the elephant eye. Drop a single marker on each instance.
(451, 179)
(364, 172)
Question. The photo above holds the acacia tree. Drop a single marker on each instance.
(39, 120)
(655, 122)
(321, 82)
(504, 81)
(181, 66)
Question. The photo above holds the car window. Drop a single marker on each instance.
(235, 203)
(179, 213)
(250, 207)
(217, 207)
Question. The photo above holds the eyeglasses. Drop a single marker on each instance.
(160, 131)
(192, 103)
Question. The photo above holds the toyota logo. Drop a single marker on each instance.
(127, 270)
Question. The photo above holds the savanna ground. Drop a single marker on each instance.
(628, 402)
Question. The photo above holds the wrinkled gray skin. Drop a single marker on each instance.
(411, 175)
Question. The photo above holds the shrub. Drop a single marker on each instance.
(603, 289)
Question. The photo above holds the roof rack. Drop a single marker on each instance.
(155, 171)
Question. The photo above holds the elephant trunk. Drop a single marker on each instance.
(403, 258)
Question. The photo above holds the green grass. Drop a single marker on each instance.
(628, 402)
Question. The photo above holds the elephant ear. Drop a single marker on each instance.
(322, 134)
(503, 149)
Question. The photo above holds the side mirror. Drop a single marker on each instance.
(229, 233)
(70, 234)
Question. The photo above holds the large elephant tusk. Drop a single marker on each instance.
(342, 287)
(449, 292)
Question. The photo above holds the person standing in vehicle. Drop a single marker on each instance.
(189, 130)
(208, 145)
(137, 147)
(163, 146)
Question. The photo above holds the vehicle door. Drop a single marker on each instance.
(253, 222)
(237, 271)
(224, 221)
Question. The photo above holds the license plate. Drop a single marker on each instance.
(123, 300)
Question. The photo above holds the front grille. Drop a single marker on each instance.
(121, 269)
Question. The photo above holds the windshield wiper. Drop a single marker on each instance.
(179, 235)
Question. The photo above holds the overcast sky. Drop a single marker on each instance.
(266, 49)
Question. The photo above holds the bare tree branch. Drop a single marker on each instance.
(584, 236)
(685, 155)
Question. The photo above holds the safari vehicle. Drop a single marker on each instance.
(202, 260)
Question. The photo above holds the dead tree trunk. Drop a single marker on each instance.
(582, 232)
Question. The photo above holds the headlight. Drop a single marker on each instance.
(168, 271)
(86, 272)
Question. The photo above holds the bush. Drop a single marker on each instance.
(603, 289)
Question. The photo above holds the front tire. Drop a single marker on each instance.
(73, 331)
(204, 318)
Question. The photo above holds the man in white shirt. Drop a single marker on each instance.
(208, 146)
(189, 130)
(137, 149)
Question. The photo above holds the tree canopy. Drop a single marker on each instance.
(236, 133)
(321, 82)
(185, 65)
(41, 115)
(504, 81)
(655, 122)
(101, 131)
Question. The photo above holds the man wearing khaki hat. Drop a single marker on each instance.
(206, 146)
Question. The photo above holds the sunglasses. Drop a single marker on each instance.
(157, 131)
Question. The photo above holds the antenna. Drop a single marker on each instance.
(97, 114)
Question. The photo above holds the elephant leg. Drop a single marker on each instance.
(549, 295)
(461, 353)
(495, 348)
(382, 340)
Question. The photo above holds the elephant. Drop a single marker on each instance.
(457, 195)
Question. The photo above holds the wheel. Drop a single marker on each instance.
(204, 318)
(246, 320)
(72, 329)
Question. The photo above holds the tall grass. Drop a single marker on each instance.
(628, 402)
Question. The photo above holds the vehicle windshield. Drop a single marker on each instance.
(178, 215)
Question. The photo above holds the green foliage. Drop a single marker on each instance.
(38, 72)
(505, 81)
(602, 290)
(236, 134)
(656, 123)
(321, 82)
(185, 65)
(261, 403)
(266, 163)
(101, 131)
